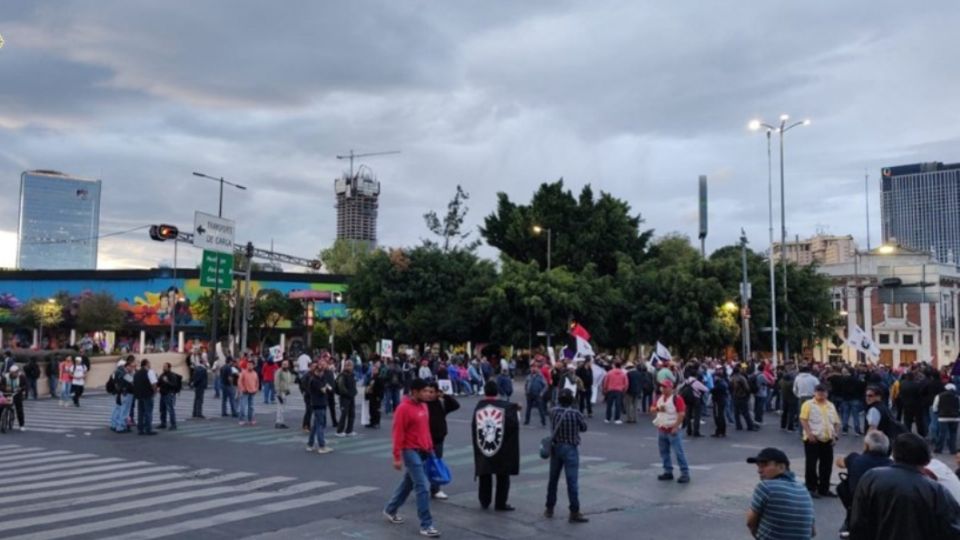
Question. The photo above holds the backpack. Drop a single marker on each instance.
(686, 392)
(111, 386)
(535, 385)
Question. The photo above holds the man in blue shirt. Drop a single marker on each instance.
(781, 508)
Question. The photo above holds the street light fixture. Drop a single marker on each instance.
(886, 249)
(537, 229)
(782, 128)
(216, 285)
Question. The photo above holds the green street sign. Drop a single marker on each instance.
(208, 270)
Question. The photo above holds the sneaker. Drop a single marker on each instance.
(21, 428)
(252, 423)
(618, 422)
(432, 532)
(605, 421)
(352, 434)
(396, 519)
(665, 476)
(341, 435)
(311, 449)
(242, 423)
(324, 450)
(440, 496)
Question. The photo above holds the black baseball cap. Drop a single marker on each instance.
(767, 455)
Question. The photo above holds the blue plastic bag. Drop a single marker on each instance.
(437, 471)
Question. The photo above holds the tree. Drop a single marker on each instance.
(269, 308)
(203, 309)
(99, 312)
(583, 230)
(40, 312)
(450, 228)
(422, 295)
(345, 256)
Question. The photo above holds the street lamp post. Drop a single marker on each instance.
(537, 229)
(216, 284)
(781, 129)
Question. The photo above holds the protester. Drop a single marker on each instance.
(947, 406)
(536, 389)
(584, 397)
(144, 389)
(199, 382)
(780, 507)
(14, 383)
(317, 387)
(79, 380)
(615, 383)
(284, 381)
(412, 444)
(65, 377)
(495, 433)
(247, 384)
(228, 387)
(169, 385)
(900, 503)
(123, 383)
(669, 410)
(879, 417)
(346, 390)
(374, 394)
(32, 372)
(634, 390)
(439, 405)
(567, 424)
(740, 390)
(821, 428)
(876, 451)
(268, 374)
(721, 397)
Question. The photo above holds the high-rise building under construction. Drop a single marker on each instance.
(357, 205)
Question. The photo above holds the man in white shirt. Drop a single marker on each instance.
(303, 363)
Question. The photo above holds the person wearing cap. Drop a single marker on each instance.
(821, 427)
(780, 507)
(947, 406)
(670, 410)
(15, 384)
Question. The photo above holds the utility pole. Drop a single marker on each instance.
(866, 200)
(744, 299)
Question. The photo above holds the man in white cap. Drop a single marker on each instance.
(15, 385)
(947, 407)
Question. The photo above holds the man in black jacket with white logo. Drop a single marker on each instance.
(495, 432)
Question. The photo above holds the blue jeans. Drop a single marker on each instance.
(567, 458)
(934, 428)
(947, 434)
(269, 395)
(728, 410)
(246, 406)
(167, 404)
(217, 386)
(759, 406)
(316, 431)
(391, 399)
(118, 421)
(850, 408)
(145, 415)
(675, 440)
(53, 382)
(614, 401)
(536, 402)
(65, 391)
(413, 478)
(228, 394)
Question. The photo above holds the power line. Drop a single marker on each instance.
(84, 240)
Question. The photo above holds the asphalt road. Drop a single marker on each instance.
(68, 476)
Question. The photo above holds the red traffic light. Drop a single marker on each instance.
(163, 232)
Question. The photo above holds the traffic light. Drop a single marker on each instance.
(163, 232)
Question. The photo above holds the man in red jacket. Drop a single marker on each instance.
(412, 444)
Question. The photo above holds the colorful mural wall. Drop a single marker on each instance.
(148, 300)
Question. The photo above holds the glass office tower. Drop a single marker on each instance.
(920, 208)
(59, 222)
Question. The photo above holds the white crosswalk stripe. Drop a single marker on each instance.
(113, 497)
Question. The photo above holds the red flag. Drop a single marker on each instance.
(579, 331)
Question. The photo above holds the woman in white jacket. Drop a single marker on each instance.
(79, 378)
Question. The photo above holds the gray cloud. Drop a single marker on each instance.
(498, 96)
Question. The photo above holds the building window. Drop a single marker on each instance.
(884, 339)
(907, 339)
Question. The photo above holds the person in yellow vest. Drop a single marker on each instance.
(821, 426)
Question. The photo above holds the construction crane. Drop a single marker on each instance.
(351, 156)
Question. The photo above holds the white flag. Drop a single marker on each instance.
(584, 348)
(662, 352)
(861, 341)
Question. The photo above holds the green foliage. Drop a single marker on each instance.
(203, 310)
(422, 294)
(99, 312)
(40, 312)
(450, 228)
(345, 256)
(584, 230)
(271, 306)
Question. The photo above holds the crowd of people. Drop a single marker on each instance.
(912, 412)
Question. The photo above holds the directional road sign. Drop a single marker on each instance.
(209, 276)
(213, 233)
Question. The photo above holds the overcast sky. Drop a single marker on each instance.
(635, 98)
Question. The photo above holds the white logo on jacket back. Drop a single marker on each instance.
(489, 433)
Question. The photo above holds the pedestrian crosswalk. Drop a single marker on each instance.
(95, 496)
